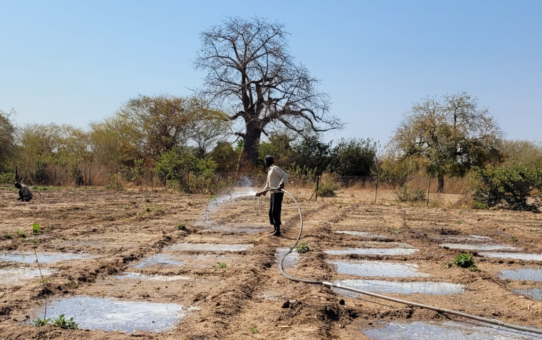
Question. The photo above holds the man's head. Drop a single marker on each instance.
(18, 185)
(269, 160)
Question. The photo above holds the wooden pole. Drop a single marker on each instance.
(317, 185)
(376, 188)
(428, 190)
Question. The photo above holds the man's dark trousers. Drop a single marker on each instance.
(275, 208)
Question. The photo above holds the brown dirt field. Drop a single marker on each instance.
(122, 228)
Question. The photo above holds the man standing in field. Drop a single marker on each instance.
(276, 178)
(25, 194)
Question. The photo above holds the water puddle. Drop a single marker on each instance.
(15, 276)
(29, 257)
(478, 246)
(143, 277)
(376, 268)
(524, 274)
(361, 234)
(374, 244)
(159, 260)
(474, 238)
(449, 330)
(290, 261)
(371, 251)
(406, 288)
(516, 256)
(115, 315)
(247, 230)
(209, 247)
(535, 293)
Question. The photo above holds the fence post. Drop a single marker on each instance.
(376, 188)
(317, 185)
(428, 190)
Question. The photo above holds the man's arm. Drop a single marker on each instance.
(283, 177)
(267, 186)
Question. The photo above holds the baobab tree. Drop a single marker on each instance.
(252, 74)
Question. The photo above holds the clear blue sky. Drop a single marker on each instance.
(77, 61)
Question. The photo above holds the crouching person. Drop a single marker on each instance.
(25, 194)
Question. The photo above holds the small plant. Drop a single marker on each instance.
(181, 226)
(213, 197)
(514, 239)
(21, 233)
(64, 323)
(448, 264)
(126, 208)
(36, 230)
(464, 260)
(39, 322)
(405, 195)
(8, 236)
(303, 248)
(459, 222)
(474, 269)
(396, 231)
(160, 210)
(254, 330)
(221, 265)
(148, 209)
(460, 212)
(148, 200)
(189, 203)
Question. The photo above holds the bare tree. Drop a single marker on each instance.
(251, 72)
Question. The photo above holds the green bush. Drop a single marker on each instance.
(464, 261)
(65, 323)
(405, 195)
(509, 188)
(328, 186)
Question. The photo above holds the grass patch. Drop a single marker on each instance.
(221, 265)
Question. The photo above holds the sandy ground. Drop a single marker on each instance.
(249, 295)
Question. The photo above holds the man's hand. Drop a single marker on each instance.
(281, 186)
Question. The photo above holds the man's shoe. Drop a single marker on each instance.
(277, 231)
(274, 230)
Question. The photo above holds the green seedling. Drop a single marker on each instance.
(448, 264)
(36, 230)
(8, 236)
(181, 226)
(189, 203)
(464, 260)
(221, 265)
(514, 239)
(474, 269)
(459, 222)
(21, 233)
(254, 330)
(213, 197)
(148, 209)
(160, 210)
(39, 322)
(126, 208)
(303, 248)
(148, 200)
(64, 323)
(460, 212)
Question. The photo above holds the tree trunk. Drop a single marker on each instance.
(252, 143)
(440, 185)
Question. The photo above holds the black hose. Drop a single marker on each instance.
(410, 303)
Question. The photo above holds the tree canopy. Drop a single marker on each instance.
(250, 70)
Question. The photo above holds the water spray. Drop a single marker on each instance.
(378, 296)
